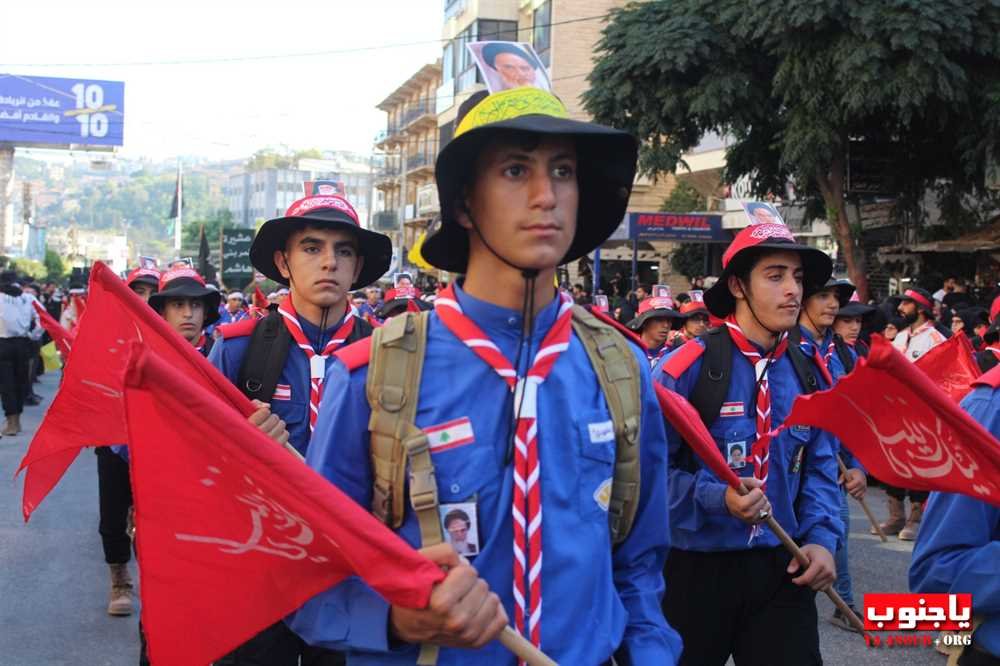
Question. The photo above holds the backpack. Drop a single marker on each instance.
(267, 352)
(394, 369)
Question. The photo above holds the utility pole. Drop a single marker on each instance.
(6, 191)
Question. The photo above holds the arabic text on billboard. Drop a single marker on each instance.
(45, 110)
(677, 226)
(236, 268)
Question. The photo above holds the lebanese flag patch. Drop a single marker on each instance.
(282, 392)
(450, 435)
(731, 409)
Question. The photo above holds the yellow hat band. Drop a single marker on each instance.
(513, 103)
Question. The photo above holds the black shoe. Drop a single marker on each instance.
(33, 400)
(840, 620)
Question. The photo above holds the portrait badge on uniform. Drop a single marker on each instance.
(797, 459)
(459, 524)
(736, 454)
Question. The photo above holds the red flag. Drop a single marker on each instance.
(904, 429)
(79, 308)
(685, 420)
(952, 366)
(62, 338)
(233, 533)
(88, 410)
(259, 299)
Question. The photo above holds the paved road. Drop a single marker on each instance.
(53, 579)
(54, 583)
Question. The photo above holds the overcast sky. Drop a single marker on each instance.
(230, 109)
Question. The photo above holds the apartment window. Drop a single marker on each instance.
(541, 33)
(504, 31)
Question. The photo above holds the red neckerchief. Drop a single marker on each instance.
(655, 358)
(527, 508)
(317, 361)
(761, 364)
(821, 362)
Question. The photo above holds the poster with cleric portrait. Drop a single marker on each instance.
(508, 65)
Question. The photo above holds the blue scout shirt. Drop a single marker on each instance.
(291, 406)
(837, 370)
(958, 546)
(802, 471)
(594, 598)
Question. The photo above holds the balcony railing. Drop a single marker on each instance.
(416, 110)
(385, 220)
(389, 171)
(417, 161)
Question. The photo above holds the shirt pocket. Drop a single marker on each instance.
(293, 412)
(596, 438)
(463, 473)
(794, 457)
(735, 439)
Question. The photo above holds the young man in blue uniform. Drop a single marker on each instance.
(319, 250)
(115, 490)
(522, 190)
(731, 588)
(653, 323)
(832, 357)
(958, 545)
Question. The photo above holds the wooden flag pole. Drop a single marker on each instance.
(803, 561)
(524, 650)
(864, 505)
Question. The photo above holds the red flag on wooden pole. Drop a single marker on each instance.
(88, 410)
(952, 366)
(904, 429)
(226, 520)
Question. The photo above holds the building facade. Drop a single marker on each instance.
(406, 151)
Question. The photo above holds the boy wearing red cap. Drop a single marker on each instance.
(653, 323)
(321, 252)
(693, 320)
(742, 381)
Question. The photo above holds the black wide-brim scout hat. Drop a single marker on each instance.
(856, 309)
(187, 283)
(843, 288)
(606, 164)
(653, 307)
(332, 211)
(749, 242)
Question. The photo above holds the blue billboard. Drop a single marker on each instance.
(683, 227)
(48, 111)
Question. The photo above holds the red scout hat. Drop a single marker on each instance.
(772, 236)
(653, 307)
(332, 211)
(185, 282)
(145, 275)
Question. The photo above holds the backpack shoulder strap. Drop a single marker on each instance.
(617, 372)
(265, 358)
(844, 352)
(710, 388)
(803, 366)
(392, 387)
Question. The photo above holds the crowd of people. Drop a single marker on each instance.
(517, 439)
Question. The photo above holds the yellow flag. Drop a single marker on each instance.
(414, 255)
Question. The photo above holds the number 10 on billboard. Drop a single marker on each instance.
(90, 110)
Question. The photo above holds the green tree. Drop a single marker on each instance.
(797, 84)
(54, 267)
(684, 198)
(35, 269)
(689, 258)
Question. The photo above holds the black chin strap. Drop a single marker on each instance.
(530, 276)
(324, 315)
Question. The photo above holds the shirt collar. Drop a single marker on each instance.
(807, 336)
(496, 320)
(312, 330)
